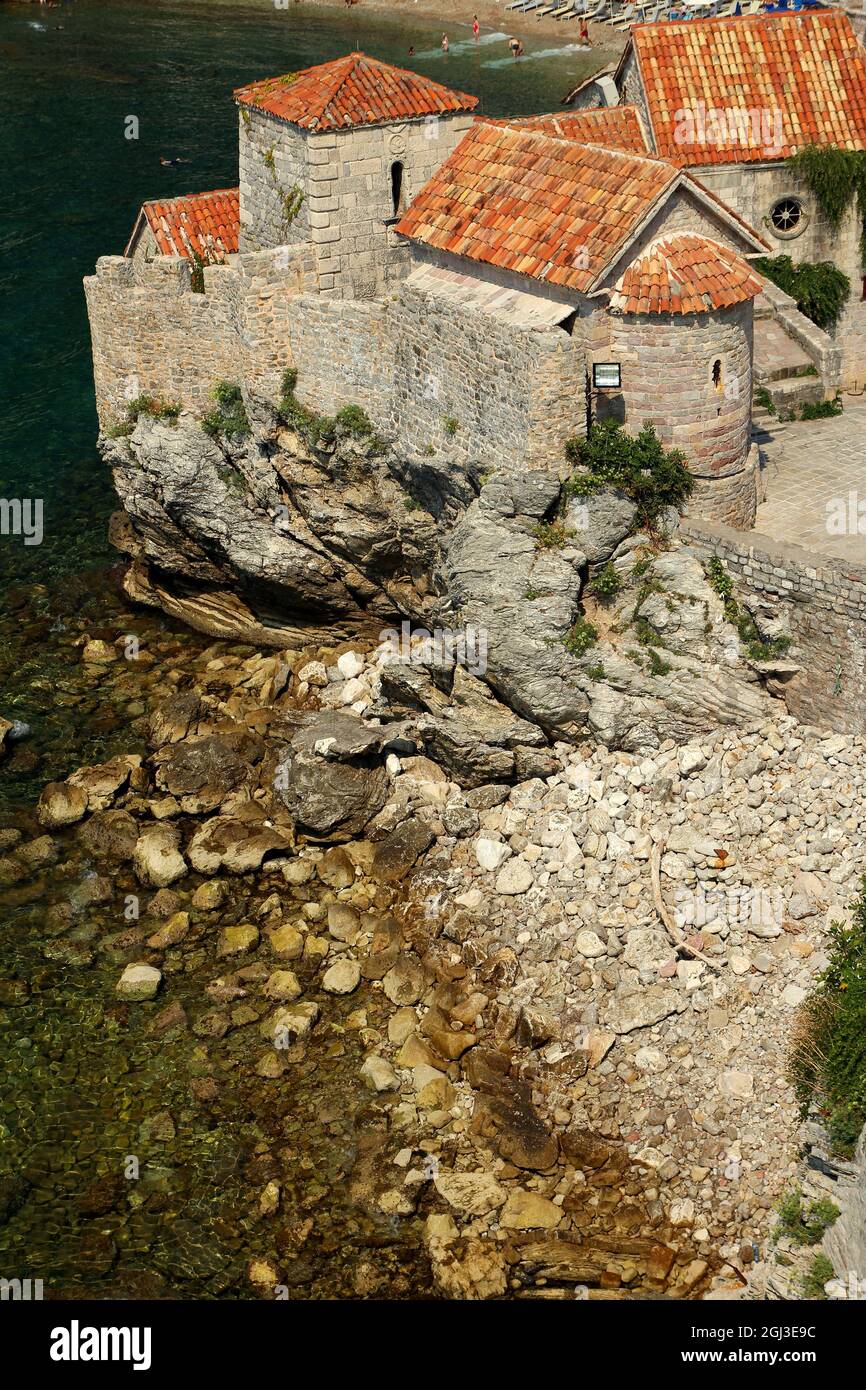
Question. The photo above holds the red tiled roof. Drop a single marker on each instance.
(352, 91)
(684, 274)
(614, 127)
(199, 224)
(804, 73)
(549, 208)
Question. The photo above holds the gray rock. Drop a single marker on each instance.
(600, 522)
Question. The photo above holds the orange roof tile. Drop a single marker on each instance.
(199, 224)
(352, 91)
(803, 75)
(614, 127)
(684, 274)
(545, 207)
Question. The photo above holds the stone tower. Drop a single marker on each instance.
(331, 156)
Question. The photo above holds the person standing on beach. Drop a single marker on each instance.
(476, 27)
(584, 34)
(516, 48)
(444, 43)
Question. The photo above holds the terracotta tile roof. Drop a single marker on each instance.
(199, 224)
(684, 274)
(805, 72)
(355, 90)
(614, 127)
(544, 207)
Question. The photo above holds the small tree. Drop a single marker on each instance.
(640, 467)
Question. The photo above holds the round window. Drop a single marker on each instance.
(787, 217)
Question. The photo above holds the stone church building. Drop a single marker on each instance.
(730, 100)
(484, 289)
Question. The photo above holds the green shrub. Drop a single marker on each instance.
(317, 431)
(637, 466)
(450, 424)
(820, 1272)
(229, 418)
(596, 671)
(352, 419)
(580, 637)
(764, 399)
(827, 1061)
(156, 409)
(803, 1225)
(657, 666)
(819, 289)
(755, 646)
(606, 584)
(820, 410)
(550, 535)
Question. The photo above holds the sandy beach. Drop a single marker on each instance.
(454, 17)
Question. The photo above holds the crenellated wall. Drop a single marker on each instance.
(439, 380)
(151, 333)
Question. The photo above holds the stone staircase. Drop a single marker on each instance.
(785, 371)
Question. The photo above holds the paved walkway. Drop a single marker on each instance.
(810, 470)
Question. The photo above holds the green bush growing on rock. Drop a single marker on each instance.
(803, 1225)
(827, 1061)
(606, 584)
(168, 411)
(657, 666)
(756, 647)
(316, 430)
(820, 288)
(450, 424)
(819, 1273)
(765, 400)
(638, 466)
(580, 637)
(353, 419)
(229, 418)
(550, 535)
(820, 410)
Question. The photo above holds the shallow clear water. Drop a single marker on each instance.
(83, 1078)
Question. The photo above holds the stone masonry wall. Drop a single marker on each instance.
(152, 334)
(667, 377)
(826, 600)
(412, 361)
(345, 177)
(516, 394)
(752, 191)
(272, 164)
(351, 203)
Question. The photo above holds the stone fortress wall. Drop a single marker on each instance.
(354, 183)
(438, 380)
(825, 600)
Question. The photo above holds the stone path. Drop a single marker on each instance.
(809, 469)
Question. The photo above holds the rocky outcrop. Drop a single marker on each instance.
(271, 538)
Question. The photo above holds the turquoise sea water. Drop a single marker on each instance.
(71, 75)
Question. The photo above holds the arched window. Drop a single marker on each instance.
(398, 201)
(717, 374)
